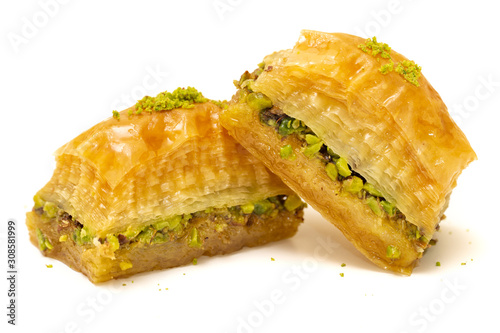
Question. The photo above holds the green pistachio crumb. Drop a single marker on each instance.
(49, 266)
(50, 209)
(219, 227)
(41, 240)
(332, 154)
(124, 265)
(410, 71)
(389, 208)
(258, 101)
(296, 124)
(38, 201)
(331, 171)
(343, 167)
(195, 261)
(292, 202)
(116, 115)
(263, 207)
(63, 238)
(393, 252)
(164, 101)
(464, 263)
(342, 265)
(247, 208)
(312, 139)
(372, 190)
(48, 244)
(113, 242)
(286, 126)
(341, 274)
(352, 185)
(373, 203)
(222, 104)
(417, 234)
(194, 239)
(174, 222)
(312, 149)
(376, 48)
(387, 68)
(85, 235)
(272, 259)
(248, 84)
(438, 263)
(286, 153)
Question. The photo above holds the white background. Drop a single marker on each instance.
(65, 66)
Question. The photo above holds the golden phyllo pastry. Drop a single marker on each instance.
(156, 186)
(359, 133)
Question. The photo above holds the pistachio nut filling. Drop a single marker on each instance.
(336, 167)
(161, 230)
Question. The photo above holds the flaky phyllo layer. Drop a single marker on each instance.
(369, 126)
(141, 167)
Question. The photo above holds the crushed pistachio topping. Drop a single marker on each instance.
(180, 98)
(222, 104)
(116, 115)
(387, 68)
(376, 48)
(410, 71)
